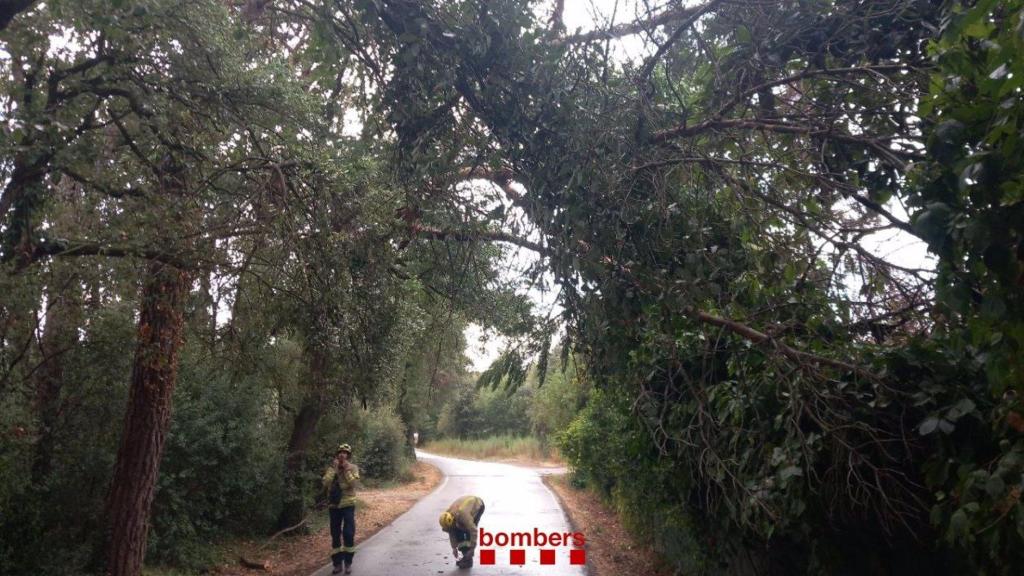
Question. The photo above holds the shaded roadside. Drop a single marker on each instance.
(300, 556)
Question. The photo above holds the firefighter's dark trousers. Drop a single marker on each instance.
(343, 534)
(463, 536)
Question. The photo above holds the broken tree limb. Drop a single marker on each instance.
(760, 338)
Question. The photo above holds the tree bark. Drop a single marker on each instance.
(154, 374)
(303, 432)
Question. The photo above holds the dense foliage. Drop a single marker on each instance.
(734, 215)
(537, 407)
(158, 148)
(712, 212)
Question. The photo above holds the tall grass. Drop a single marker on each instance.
(502, 447)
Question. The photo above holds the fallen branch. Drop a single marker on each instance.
(265, 564)
(284, 531)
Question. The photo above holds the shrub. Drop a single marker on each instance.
(483, 412)
(221, 468)
(503, 446)
(608, 451)
(381, 450)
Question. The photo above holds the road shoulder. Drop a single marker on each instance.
(610, 548)
(375, 509)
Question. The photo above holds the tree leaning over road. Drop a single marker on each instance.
(712, 212)
(308, 188)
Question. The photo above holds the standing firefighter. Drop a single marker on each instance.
(460, 521)
(340, 484)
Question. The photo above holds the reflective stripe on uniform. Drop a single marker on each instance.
(463, 544)
(468, 504)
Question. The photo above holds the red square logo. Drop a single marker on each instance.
(517, 557)
(547, 556)
(487, 556)
(578, 556)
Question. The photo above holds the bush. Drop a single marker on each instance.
(608, 451)
(380, 452)
(556, 403)
(483, 412)
(50, 525)
(221, 468)
(504, 446)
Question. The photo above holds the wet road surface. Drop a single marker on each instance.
(516, 501)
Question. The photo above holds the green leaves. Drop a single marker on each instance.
(933, 423)
(509, 369)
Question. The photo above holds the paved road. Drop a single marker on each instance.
(516, 501)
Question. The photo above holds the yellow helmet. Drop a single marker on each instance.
(344, 448)
(446, 521)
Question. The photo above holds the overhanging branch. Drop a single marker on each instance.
(64, 248)
(760, 338)
(432, 233)
(635, 27)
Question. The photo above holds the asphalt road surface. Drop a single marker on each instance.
(516, 501)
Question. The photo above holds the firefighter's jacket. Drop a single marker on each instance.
(463, 532)
(341, 489)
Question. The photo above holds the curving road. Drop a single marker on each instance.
(516, 501)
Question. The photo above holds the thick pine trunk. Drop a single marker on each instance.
(154, 374)
(303, 432)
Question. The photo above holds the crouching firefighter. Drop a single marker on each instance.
(340, 484)
(460, 522)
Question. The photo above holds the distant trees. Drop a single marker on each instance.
(543, 410)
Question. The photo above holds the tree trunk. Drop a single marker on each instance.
(60, 335)
(154, 373)
(303, 431)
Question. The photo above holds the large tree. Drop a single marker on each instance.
(715, 211)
